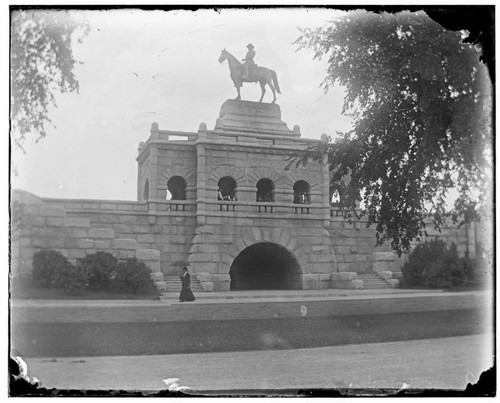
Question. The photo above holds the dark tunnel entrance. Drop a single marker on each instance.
(265, 266)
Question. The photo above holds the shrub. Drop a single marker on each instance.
(52, 270)
(46, 265)
(71, 279)
(433, 264)
(100, 268)
(133, 277)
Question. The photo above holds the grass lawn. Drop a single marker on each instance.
(25, 289)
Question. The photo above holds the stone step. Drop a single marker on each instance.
(174, 284)
(372, 281)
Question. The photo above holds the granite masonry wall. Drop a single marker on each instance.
(249, 143)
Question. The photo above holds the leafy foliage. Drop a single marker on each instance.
(432, 264)
(421, 107)
(100, 269)
(70, 279)
(42, 63)
(134, 277)
(46, 265)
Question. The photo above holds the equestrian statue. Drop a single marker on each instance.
(250, 73)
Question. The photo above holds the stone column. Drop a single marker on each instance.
(201, 175)
(325, 188)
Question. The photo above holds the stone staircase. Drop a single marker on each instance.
(174, 284)
(372, 281)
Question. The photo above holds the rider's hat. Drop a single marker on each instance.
(250, 46)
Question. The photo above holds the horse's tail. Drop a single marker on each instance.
(275, 81)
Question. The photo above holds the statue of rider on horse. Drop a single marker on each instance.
(249, 65)
(249, 72)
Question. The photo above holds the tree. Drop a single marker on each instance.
(41, 65)
(421, 106)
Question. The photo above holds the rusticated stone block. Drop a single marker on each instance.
(384, 256)
(41, 242)
(124, 254)
(206, 248)
(161, 286)
(201, 257)
(393, 282)
(78, 232)
(386, 275)
(102, 244)
(207, 286)
(157, 276)
(36, 221)
(123, 244)
(178, 239)
(52, 211)
(56, 242)
(54, 221)
(344, 276)
(221, 285)
(77, 222)
(357, 284)
(101, 233)
(126, 219)
(380, 266)
(153, 265)
(147, 254)
(203, 277)
(145, 238)
(220, 277)
(140, 229)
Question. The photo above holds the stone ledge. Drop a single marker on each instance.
(147, 254)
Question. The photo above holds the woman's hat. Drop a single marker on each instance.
(250, 46)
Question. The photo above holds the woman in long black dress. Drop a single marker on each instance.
(186, 293)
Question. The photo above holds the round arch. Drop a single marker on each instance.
(176, 186)
(265, 190)
(227, 188)
(265, 266)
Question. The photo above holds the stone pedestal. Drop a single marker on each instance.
(252, 116)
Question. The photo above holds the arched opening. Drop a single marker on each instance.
(227, 189)
(265, 190)
(265, 266)
(301, 192)
(176, 188)
(146, 190)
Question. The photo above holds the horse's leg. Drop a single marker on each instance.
(263, 88)
(273, 90)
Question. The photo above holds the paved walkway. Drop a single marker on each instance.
(449, 363)
(246, 297)
(248, 305)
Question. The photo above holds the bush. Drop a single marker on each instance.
(71, 279)
(100, 268)
(432, 264)
(46, 265)
(133, 277)
(98, 271)
(52, 270)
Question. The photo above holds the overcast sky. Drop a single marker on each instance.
(140, 67)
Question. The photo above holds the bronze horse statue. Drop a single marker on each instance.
(261, 75)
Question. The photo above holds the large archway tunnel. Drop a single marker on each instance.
(265, 266)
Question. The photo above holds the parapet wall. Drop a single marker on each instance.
(356, 249)
(167, 231)
(78, 227)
